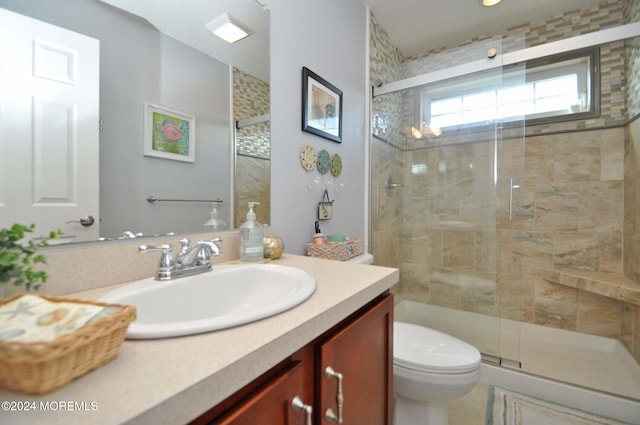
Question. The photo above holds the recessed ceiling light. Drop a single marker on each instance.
(228, 28)
(490, 2)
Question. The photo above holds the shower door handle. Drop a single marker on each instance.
(330, 415)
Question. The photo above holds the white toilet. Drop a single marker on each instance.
(429, 369)
(365, 258)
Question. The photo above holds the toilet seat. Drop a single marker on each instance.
(426, 350)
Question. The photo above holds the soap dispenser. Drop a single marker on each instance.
(215, 223)
(251, 237)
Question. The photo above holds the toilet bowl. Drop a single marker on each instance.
(429, 369)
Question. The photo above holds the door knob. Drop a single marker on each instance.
(86, 221)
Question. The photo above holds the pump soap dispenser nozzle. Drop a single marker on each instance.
(215, 222)
(251, 215)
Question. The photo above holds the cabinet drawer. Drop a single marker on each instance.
(271, 403)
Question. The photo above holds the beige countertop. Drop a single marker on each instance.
(174, 380)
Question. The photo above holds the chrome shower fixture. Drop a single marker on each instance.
(390, 185)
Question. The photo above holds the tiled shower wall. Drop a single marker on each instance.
(474, 239)
(632, 155)
(253, 148)
(387, 159)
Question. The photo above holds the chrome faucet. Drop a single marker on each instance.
(189, 261)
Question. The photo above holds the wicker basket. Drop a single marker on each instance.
(337, 250)
(41, 367)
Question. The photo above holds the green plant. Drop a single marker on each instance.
(17, 260)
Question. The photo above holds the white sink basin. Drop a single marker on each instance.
(228, 296)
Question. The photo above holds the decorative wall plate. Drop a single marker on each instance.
(336, 165)
(308, 157)
(324, 161)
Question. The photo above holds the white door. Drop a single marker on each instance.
(49, 113)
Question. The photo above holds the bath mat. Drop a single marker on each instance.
(506, 407)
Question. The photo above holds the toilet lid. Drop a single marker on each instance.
(418, 348)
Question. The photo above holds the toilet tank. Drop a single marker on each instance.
(365, 258)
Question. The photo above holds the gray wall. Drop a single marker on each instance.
(328, 37)
(132, 54)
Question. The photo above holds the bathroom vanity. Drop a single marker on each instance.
(226, 377)
(345, 375)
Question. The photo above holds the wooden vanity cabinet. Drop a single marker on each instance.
(359, 355)
(361, 352)
(271, 404)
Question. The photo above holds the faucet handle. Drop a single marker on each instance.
(184, 246)
(165, 248)
(214, 245)
(216, 242)
(166, 259)
(201, 253)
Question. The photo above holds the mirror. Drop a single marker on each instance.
(150, 54)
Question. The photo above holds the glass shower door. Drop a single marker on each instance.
(442, 185)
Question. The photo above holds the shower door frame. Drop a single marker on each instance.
(592, 39)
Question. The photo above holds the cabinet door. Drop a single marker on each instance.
(361, 355)
(272, 403)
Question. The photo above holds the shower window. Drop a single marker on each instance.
(558, 88)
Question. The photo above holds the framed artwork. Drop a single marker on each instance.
(321, 107)
(169, 134)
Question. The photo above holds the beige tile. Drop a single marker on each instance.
(509, 297)
(611, 253)
(612, 154)
(458, 248)
(556, 206)
(636, 333)
(576, 250)
(506, 259)
(630, 295)
(604, 289)
(539, 160)
(422, 245)
(478, 300)
(626, 327)
(485, 251)
(523, 202)
(513, 156)
(527, 298)
(415, 279)
(444, 290)
(555, 305)
(577, 156)
(598, 315)
(600, 206)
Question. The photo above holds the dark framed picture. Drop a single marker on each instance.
(321, 106)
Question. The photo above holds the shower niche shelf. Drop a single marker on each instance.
(609, 285)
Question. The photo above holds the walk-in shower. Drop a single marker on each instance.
(252, 146)
(492, 193)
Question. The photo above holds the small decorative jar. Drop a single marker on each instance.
(273, 247)
(318, 239)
